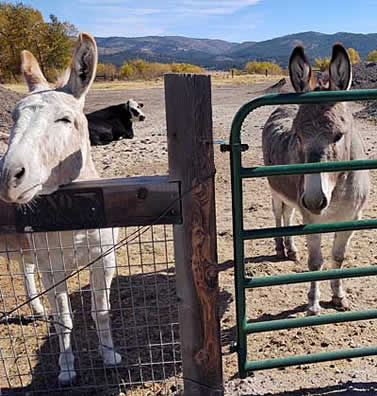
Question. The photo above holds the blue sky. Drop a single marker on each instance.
(231, 20)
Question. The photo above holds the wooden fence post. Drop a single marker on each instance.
(191, 160)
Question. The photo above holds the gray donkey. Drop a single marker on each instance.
(316, 133)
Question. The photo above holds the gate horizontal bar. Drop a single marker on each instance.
(308, 359)
(305, 229)
(313, 167)
(295, 98)
(283, 324)
(286, 279)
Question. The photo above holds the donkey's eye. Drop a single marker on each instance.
(65, 120)
(337, 137)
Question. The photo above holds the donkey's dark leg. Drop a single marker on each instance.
(315, 263)
(288, 213)
(341, 240)
(277, 208)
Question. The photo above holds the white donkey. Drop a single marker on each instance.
(316, 133)
(49, 147)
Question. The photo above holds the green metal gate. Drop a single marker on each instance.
(240, 235)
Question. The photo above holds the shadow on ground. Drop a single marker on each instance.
(145, 331)
(347, 389)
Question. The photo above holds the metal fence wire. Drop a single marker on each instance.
(144, 322)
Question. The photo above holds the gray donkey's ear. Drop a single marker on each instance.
(32, 73)
(300, 71)
(340, 70)
(84, 65)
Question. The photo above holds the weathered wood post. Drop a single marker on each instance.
(191, 160)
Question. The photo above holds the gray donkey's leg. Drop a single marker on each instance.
(288, 213)
(62, 314)
(277, 208)
(101, 275)
(341, 240)
(31, 290)
(28, 264)
(315, 263)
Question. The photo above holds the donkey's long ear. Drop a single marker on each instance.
(84, 65)
(340, 69)
(32, 73)
(300, 71)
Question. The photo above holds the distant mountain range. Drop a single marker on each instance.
(220, 54)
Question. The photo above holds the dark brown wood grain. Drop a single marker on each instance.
(191, 160)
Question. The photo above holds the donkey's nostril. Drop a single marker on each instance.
(20, 172)
(16, 176)
(323, 203)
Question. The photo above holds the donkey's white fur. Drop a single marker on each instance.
(315, 133)
(49, 147)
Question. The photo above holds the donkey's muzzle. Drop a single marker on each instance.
(13, 181)
(315, 208)
(12, 176)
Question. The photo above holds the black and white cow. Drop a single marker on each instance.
(114, 122)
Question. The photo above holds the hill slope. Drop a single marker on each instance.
(223, 54)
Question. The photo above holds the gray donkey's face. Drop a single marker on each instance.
(49, 143)
(324, 130)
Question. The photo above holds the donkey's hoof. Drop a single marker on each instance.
(340, 303)
(111, 358)
(292, 255)
(313, 310)
(67, 378)
(280, 254)
(38, 309)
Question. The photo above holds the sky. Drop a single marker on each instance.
(230, 20)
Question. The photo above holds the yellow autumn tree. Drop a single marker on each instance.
(322, 63)
(354, 55)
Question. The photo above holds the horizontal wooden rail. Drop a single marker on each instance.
(101, 203)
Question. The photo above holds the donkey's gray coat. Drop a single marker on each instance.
(315, 133)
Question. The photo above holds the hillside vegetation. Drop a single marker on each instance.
(217, 54)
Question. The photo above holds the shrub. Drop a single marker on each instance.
(186, 68)
(254, 67)
(372, 56)
(322, 63)
(354, 55)
(139, 69)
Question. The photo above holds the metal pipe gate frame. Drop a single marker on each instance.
(240, 235)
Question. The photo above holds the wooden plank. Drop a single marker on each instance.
(98, 204)
(191, 160)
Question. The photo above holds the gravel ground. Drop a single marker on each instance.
(364, 75)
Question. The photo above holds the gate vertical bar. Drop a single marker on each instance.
(238, 246)
(191, 161)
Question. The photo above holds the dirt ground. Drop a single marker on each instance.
(146, 154)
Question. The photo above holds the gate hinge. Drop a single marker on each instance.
(233, 348)
(226, 147)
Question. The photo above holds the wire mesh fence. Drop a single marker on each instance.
(144, 323)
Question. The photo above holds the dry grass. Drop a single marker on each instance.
(218, 78)
(224, 78)
(21, 87)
